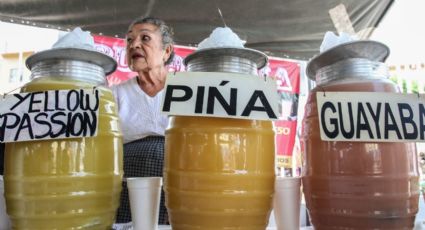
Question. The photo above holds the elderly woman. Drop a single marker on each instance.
(149, 50)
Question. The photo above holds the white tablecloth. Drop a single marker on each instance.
(128, 226)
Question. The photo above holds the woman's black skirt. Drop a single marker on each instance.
(142, 158)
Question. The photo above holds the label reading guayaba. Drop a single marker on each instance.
(228, 95)
(367, 116)
(49, 114)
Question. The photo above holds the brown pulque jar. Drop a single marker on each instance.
(356, 185)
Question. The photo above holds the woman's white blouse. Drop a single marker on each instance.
(139, 113)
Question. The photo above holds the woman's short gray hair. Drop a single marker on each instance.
(166, 32)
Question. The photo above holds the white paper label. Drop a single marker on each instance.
(213, 94)
(49, 114)
(367, 116)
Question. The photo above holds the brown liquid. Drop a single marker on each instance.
(358, 185)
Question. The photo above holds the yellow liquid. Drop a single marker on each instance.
(219, 173)
(66, 183)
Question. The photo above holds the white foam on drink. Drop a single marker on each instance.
(331, 39)
(76, 39)
(221, 37)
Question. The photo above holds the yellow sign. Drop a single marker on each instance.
(284, 161)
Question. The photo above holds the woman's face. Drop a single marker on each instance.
(145, 50)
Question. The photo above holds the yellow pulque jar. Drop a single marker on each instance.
(72, 183)
(219, 172)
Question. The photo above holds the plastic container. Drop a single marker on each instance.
(144, 194)
(67, 183)
(219, 173)
(356, 185)
(4, 219)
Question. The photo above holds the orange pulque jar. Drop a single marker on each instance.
(72, 183)
(356, 185)
(219, 173)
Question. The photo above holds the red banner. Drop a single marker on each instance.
(285, 141)
(286, 73)
(115, 48)
(285, 136)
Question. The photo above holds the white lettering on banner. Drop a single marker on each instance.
(368, 116)
(177, 64)
(120, 56)
(49, 114)
(104, 49)
(117, 52)
(283, 82)
(213, 94)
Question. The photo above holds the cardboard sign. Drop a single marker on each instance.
(49, 114)
(213, 94)
(285, 71)
(367, 116)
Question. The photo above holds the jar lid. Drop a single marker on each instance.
(370, 50)
(106, 62)
(255, 56)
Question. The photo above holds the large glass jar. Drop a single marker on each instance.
(356, 185)
(219, 173)
(70, 183)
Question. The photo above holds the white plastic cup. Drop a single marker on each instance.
(145, 194)
(287, 201)
(4, 218)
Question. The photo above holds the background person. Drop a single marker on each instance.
(2, 146)
(149, 50)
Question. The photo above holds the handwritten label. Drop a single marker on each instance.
(366, 116)
(228, 95)
(49, 114)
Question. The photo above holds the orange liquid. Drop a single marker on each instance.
(66, 183)
(358, 185)
(219, 173)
